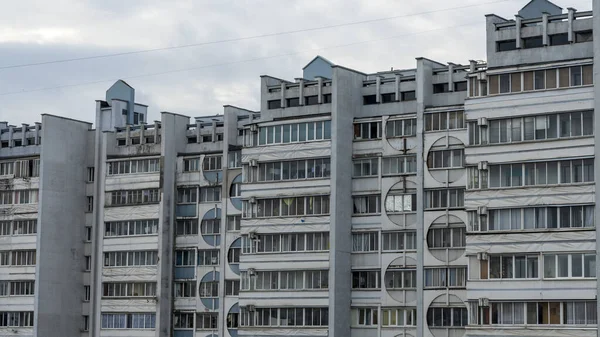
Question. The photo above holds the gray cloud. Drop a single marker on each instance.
(62, 29)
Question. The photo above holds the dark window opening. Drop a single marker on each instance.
(292, 102)
(31, 141)
(388, 98)
(506, 45)
(587, 36)
(135, 140)
(18, 142)
(369, 99)
(192, 140)
(533, 42)
(274, 104)
(121, 142)
(409, 96)
(5, 144)
(311, 100)
(207, 138)
(136, 118)
(460, 86)
(327, 98)
(559, 39)
(439, 88)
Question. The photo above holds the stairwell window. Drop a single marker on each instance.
(367, 130)
(366, 167)
(402, 203)
(364, 317)
(367, 204)
(365, 242)
(362, 280)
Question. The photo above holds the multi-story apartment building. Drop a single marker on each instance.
(445, 200)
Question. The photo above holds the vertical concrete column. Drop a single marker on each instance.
(518, 40)
(320, 90)
(128, 134)
(301, 88)
(596, 23)
(283, 86)
(450, 77)
(142, 132)
(397, 87)
(545, 28)
(198, 129)
(24, 129)
(378, 89)
(214, 131)
(156, 132)
(571, 16)
(38, 127)
(11, 132)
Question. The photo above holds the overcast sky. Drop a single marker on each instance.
(45, 30)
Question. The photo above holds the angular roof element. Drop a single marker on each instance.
(318, 67)
(535, 8)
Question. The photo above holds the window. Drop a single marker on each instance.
(233, 256)
(575, 265)
(366, 167)
(5, 228)
(367, 130)
(133, 166)
(369, 99)
(399, 165)
(401, 279)
(534, 218)
(448, 198)
(212, 163)
(233, 223)
(207, 321)
(510, 267)
(6, 198)
(311, 100)
(453, 277)
(445, 159)
(401, 128)
(293, 102)
(187, 195)
(388, 98)
(274, 104)
(186, 227)
(402, 203)
(128, 289)
(183, 320)
(453, 237)
(398, 317)
(235, 158)
(131, 227)
(439, 88)
(130, 258)
(25, 288)
(191, 165)
(185, 257)
(88, 263)
(232, 287)
(88, 233)
(533, 42)
(208, 257)
(584, 36)
(27, 168)
(209, 289)
(133, 197)
(6, 168)
(184, 289)
(210, 194)
(541, 173)
(559, 39)
(364, 317)
(409, 96)
(23, 258)
(460, 86)
(206, 138)
(128, 321)
(293, 206)
(326, 98)
(399, 241)
(539, 313)
(90, 174)
(26, 197)
(506, 45)
(86, 323)
(366, 279)
(294, 170)
(16, 318)
(365, 242)
(447, 317)
(294, 133)
(367, 204)
(24, 227)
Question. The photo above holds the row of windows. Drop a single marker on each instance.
(285, 280)
(137, 258)
(128, 321)
(539, 313)
(573, 265)
(292, 206)
(444, 121)
(541, 173)
(284, 317)
(405, 96)
(129, 289)
(295, 101)
(394, 317)
(439, 88)
(204, 320)
(133, 197)
(21, 168)
(293, 133)
(18, 258)
(187, 289)
(445, 158)
(18, 227)
(447, 317)
(131, 227)
(18, 197)
(207, 226)
(368, 167)
(190, 194)
(532, 218)
(293, 170)
(186, 257)
(289, 242)
(400, 127)
(451, 277)
(210, 163)
(133, 166)
(541, 79)
(16, 319)
(17, 288)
